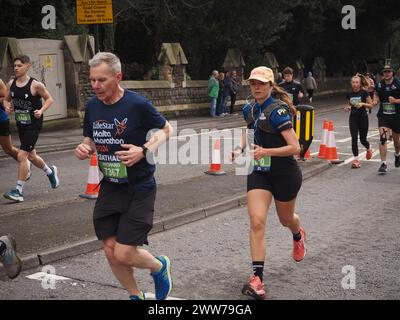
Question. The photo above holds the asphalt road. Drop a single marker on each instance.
(351, 218)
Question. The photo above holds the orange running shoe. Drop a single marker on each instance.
(299, 247)
(369, 155)
(356, 164)
(255, 288)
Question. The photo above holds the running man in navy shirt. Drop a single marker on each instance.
(116, 125)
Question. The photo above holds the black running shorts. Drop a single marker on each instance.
(4, 128)
(120, 213)
(28, 138)
(283, 186)
(390, 123)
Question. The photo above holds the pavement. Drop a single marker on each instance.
(45, 235)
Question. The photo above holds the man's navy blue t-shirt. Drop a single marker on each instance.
(128, 121)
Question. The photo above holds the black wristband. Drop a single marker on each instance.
(145, 150)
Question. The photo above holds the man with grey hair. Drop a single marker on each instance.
(116, 126)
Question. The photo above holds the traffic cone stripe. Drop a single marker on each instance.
(93, 180)
(324, 140)
(331, 150)
(216, 166)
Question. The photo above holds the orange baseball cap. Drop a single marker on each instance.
(262, 74)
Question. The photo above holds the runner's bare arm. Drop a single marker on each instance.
(41, 90)
(394, 100)
(3, 91)
(376, 100)
(160, 137)
(134, 154)
(239, 149)
(369, 104)
(7, 99)
(85, 149)
(347, 108)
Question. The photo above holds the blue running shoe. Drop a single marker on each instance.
(14, 195)
(54, 181)
(138, 298)
(163, 279)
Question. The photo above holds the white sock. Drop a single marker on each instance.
(20, 186)
(47, 170)
(355, 158)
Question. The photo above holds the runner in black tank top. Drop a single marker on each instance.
(25, 97)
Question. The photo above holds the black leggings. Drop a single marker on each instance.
(359, 125)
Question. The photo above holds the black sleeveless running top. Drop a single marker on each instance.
(25, 104)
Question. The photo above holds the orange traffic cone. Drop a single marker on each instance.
(216, 166)
(93, 180)
(308, 154)
(324, 140)
(331, 150)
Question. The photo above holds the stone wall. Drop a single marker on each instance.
(192, 99)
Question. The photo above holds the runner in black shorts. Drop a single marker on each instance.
(387, 95)
(5, 135)
(25, 96)
(116, 125)
(275, 174)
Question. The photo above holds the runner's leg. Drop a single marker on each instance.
(259, 202)
(8, 148)
(123, 273)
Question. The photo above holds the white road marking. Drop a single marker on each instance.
(362, 156)
(150, 295)
(40, 276)
(349, 139)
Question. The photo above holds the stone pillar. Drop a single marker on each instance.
(270, 61)
(172, 64)
(234, 62)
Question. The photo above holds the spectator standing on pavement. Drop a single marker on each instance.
(387, 95)
(213, 90)
(25, 95)
(311, 86)
(276, 174)
(5, 135)
(233, 90)
(358, 102)
(9, 257)
(230, 90)
(293, 88)
(221, 109)
(117, 123)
